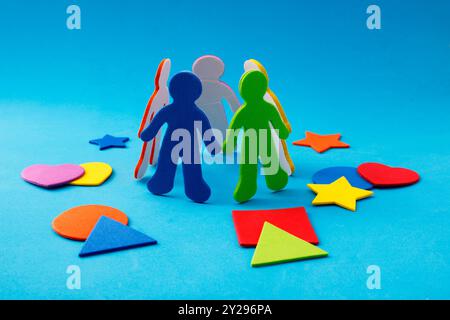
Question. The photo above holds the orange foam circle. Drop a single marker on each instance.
(77, 223)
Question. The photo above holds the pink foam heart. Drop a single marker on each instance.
(52, 176)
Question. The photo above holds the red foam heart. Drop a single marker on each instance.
(381, 175)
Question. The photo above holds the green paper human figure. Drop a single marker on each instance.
(254, 118)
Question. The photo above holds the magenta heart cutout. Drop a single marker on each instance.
(52, 176)
(381, 175)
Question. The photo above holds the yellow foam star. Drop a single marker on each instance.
(340, 193)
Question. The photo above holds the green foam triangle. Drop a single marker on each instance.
(278, 246)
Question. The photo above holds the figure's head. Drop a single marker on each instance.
(209, 67)
(253, 86)
(185, 87)
(164, 72)
(252, 65)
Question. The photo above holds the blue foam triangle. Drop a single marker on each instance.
(109, 235)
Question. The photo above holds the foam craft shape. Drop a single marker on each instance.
(285, 158)
(109, 141)
(256, 114)
(209, 69)
(321, 143)
(185, 88)
(340, 193)
(95, 174)
(383, 176)
(47, 176)
(278, 246)
(109, 235)
(249, 224)
(329, 175)
(159, 99)
(77, 223)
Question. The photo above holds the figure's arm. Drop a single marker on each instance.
(231, 98)
(153, 128)
(277, 122)
(233, 132)
(280, 109)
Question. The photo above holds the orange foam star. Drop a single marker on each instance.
(321, 143)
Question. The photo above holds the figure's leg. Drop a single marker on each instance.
(277, 181)
(163, 180)
(247, 184)
(281, 151)
(283, 161)
(195, 186)
(142, 165)
(276, 177)
(248, 171)
(288, 156)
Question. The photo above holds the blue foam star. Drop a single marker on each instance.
(109, 141)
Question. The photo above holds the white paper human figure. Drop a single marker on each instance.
(159, 99)
(210, 69)
(285, 160)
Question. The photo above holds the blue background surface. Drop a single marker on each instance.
(386, 91)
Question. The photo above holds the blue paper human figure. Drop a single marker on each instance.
(183, 119)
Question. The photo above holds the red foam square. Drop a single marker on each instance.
(249, 224)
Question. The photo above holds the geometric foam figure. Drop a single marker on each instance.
(278, 246)
(210, 69)
(286, 162)
(384, 176)
(159, 99)
(340, 193)
(110, 235)
(96, 173)
(51, 176)
(249, 224)
(329, 175)
(77, 223)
